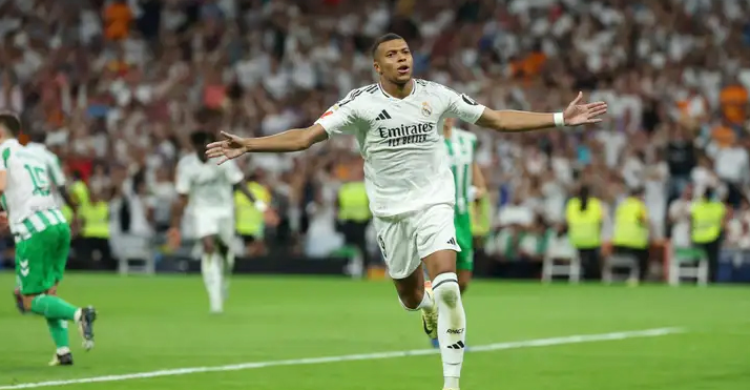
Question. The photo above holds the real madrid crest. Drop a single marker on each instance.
(426, 109)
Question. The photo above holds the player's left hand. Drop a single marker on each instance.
(231, 148)
(578, 113)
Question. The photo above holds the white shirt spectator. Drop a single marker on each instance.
(613, 142)
(679, 214)
(632, 172)
(731, 164)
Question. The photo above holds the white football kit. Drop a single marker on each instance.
(210, 195)
(407, 171)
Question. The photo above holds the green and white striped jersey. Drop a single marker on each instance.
(54, 169)
(28, 197)
(461, 147)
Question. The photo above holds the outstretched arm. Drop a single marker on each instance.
(288, 141)
(575, 114)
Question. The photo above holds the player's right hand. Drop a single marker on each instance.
(231, 148)
(173, 238)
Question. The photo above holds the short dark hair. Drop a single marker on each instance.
(201, 138)
(383, 39)
(11, 122)
(38, 136)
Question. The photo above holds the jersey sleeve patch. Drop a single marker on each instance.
(6, 156)
(341, 118)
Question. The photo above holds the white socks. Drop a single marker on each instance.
(426, 304)
(211, 268)
(451, 326)
(228, 267)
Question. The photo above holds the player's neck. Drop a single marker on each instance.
(398, 91)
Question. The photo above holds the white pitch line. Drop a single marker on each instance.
(576, 339)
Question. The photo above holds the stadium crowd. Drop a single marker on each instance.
(119, 85)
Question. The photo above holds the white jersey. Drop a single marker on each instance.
(406, 165)
(54, 168)
(28, 197)
(208, 186)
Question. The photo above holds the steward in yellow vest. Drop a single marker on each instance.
(95, 217)
(354, 206)
(631, 230)
(249, 218)
(353, 215)
(584, 215)
(708, 216)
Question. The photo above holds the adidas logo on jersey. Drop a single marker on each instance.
(383, 115)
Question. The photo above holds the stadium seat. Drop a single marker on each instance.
(557, 267)
(135, 254)
(687, 263)
(620, 261)
(561, 260)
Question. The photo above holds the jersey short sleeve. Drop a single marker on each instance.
(56, 172)
(4, 156)
(233, 172)
(461, 106)
(182, 182)
(341, 118)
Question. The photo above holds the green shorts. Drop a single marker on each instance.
(465, 258)
(41, 259)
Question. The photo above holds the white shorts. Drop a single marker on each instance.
(405, 240)
(210, 224)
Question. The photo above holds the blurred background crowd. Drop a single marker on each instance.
(119, 85)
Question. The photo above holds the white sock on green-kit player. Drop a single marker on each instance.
(451, 326)
(212, 278)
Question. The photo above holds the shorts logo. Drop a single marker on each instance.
(426, 109)
(24, 267)
(452, 241)
(381, 243)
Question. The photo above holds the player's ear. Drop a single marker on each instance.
(376, 66)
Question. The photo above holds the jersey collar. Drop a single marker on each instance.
(413, 90)
(10, 141)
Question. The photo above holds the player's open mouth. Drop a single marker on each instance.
(403, 69)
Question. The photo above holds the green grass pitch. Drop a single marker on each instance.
(148, 324)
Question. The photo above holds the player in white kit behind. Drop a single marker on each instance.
(208, 190)
(398, 124)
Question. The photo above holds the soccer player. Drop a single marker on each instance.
(469, 183)
(209, 190)
(397, 123)
(42, 239)
(56, 177)
(470, 186)
(55, 173)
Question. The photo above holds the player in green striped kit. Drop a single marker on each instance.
(42, 238)
(461, 146)
(470, 185)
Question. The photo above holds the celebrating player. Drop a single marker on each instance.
(42, 240)
(397, 123)
(209, 189)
